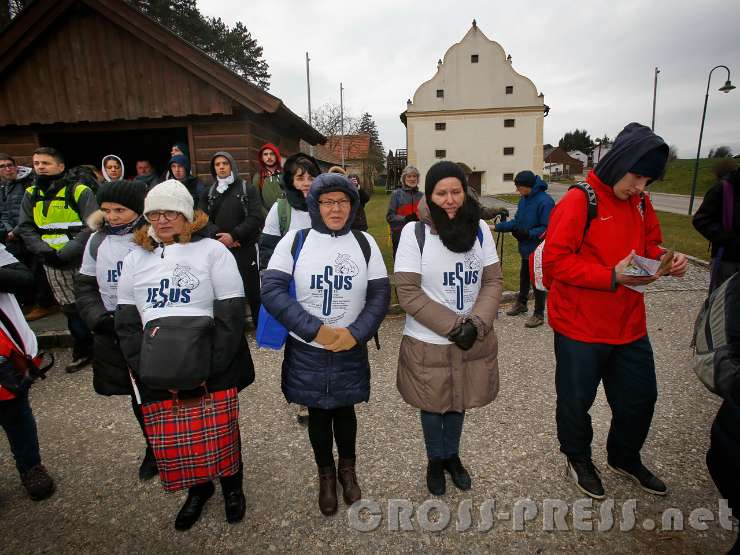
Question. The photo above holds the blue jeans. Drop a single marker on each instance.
(628, 373)
(19, 424)
(442, 433)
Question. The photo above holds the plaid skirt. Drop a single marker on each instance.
(62, 282)
(194, 440)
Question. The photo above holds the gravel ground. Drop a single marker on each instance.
(92, 446)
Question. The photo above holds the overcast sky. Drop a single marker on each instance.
(593, 60)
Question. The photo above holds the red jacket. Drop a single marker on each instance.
(582, 304)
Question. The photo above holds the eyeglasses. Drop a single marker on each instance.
(156, 215)
(332, 203)
(4, 166)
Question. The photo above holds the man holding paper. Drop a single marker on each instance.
(597, 315)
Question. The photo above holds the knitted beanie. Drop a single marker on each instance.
(525, 178)
(126, 193)
(170, 195)
(441, 170)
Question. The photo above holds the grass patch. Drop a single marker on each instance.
(375, 210)
(511, 199)
(679, 234)
(678, 177)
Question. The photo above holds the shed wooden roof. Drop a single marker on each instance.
(66, 61)
(356, 147)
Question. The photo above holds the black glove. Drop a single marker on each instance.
(411, 218)
(520, 234)
(106, 325)
(464, 335)
(51, 258)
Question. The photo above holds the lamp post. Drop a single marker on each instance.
(727, 87)
(655, 94)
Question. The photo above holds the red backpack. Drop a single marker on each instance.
(17, 370)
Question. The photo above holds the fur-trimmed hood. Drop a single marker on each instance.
(193, 232)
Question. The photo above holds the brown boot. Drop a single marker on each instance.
(328, 489)
(348, 478)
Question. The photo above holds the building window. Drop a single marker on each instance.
(509, 123)
(441, 154)
(508, 150)
(508, 177)
(509, 89)
(474, 58)
(440, 126)
(440, 93)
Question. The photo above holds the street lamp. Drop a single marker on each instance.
(727, 87)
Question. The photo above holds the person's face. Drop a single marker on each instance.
(449, 195)
(178, 170)
(143, 167)
(522, 190)
(302, 181)
(334, 208)
(117, 214)
(354, 181)
(269, 158)
(175, 150)
(412, 180)
(44, 164)
(8, 170)
(165, 228)
(631, 184)
(222, 166)
(113, 168)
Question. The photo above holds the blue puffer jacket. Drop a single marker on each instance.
(532, 215)
(312, 376)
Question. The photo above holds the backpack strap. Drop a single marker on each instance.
(479, 234)
(364, 244)
(211, 199)
(728, 204)
(283, 210)
(591, 202)
(95, 241)
(297, 246)
(421, 235)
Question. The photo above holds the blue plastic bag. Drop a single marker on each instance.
(270, 332)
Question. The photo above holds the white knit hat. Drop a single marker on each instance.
(170, 195)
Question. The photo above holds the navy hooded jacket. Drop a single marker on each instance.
(312, 376)
(532, 215)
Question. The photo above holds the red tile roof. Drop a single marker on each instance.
(356, 147)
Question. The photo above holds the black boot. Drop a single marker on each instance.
(235, 504)
(148, 468)
(457, 471)
(193, 506)
(436, 476)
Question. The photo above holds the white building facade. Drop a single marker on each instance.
(479, 111)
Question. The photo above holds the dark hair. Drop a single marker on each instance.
(4, 156)
(145, 160)
(307, 165)
(50, 151)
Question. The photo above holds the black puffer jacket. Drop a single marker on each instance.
(708, 219)
(231, 361)
(11, 196)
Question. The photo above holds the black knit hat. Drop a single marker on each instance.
(652, 163)
(525, 178)
(126, 193)
(441, 170)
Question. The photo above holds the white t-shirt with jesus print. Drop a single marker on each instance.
(330, 275)
(181, 280)
(449, 278)
(106, 268)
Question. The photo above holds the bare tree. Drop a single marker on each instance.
(672, 153)
(327, 119)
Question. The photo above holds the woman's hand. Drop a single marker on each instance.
(345, 341)
(680, 265)
(326, 336)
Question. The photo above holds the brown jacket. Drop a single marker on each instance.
(443, 378)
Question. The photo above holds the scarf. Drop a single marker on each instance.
(123, 229)
(459, 233)
(223, 183)
(44, 181)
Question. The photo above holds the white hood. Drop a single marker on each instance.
(105, 173)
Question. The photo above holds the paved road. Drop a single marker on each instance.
(92, 447)
(678, 204)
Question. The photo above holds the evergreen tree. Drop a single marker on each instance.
(234, 47)
(578, 139)
(367, 125)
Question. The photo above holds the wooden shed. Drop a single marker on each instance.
(94, 77)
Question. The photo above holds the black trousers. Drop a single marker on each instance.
(628, 374)
(540, 297)
(246, 261)
(42, 294)
(328, 425)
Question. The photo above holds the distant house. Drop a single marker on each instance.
(558, 162)
(478, 111)
(94, 77)
(578, 155)
(598, 153)
(323, 155)
(356, 149)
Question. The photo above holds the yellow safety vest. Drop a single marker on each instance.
(61, 221)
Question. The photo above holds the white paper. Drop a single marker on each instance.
(641, 266)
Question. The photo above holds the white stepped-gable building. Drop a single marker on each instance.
(478, 111)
